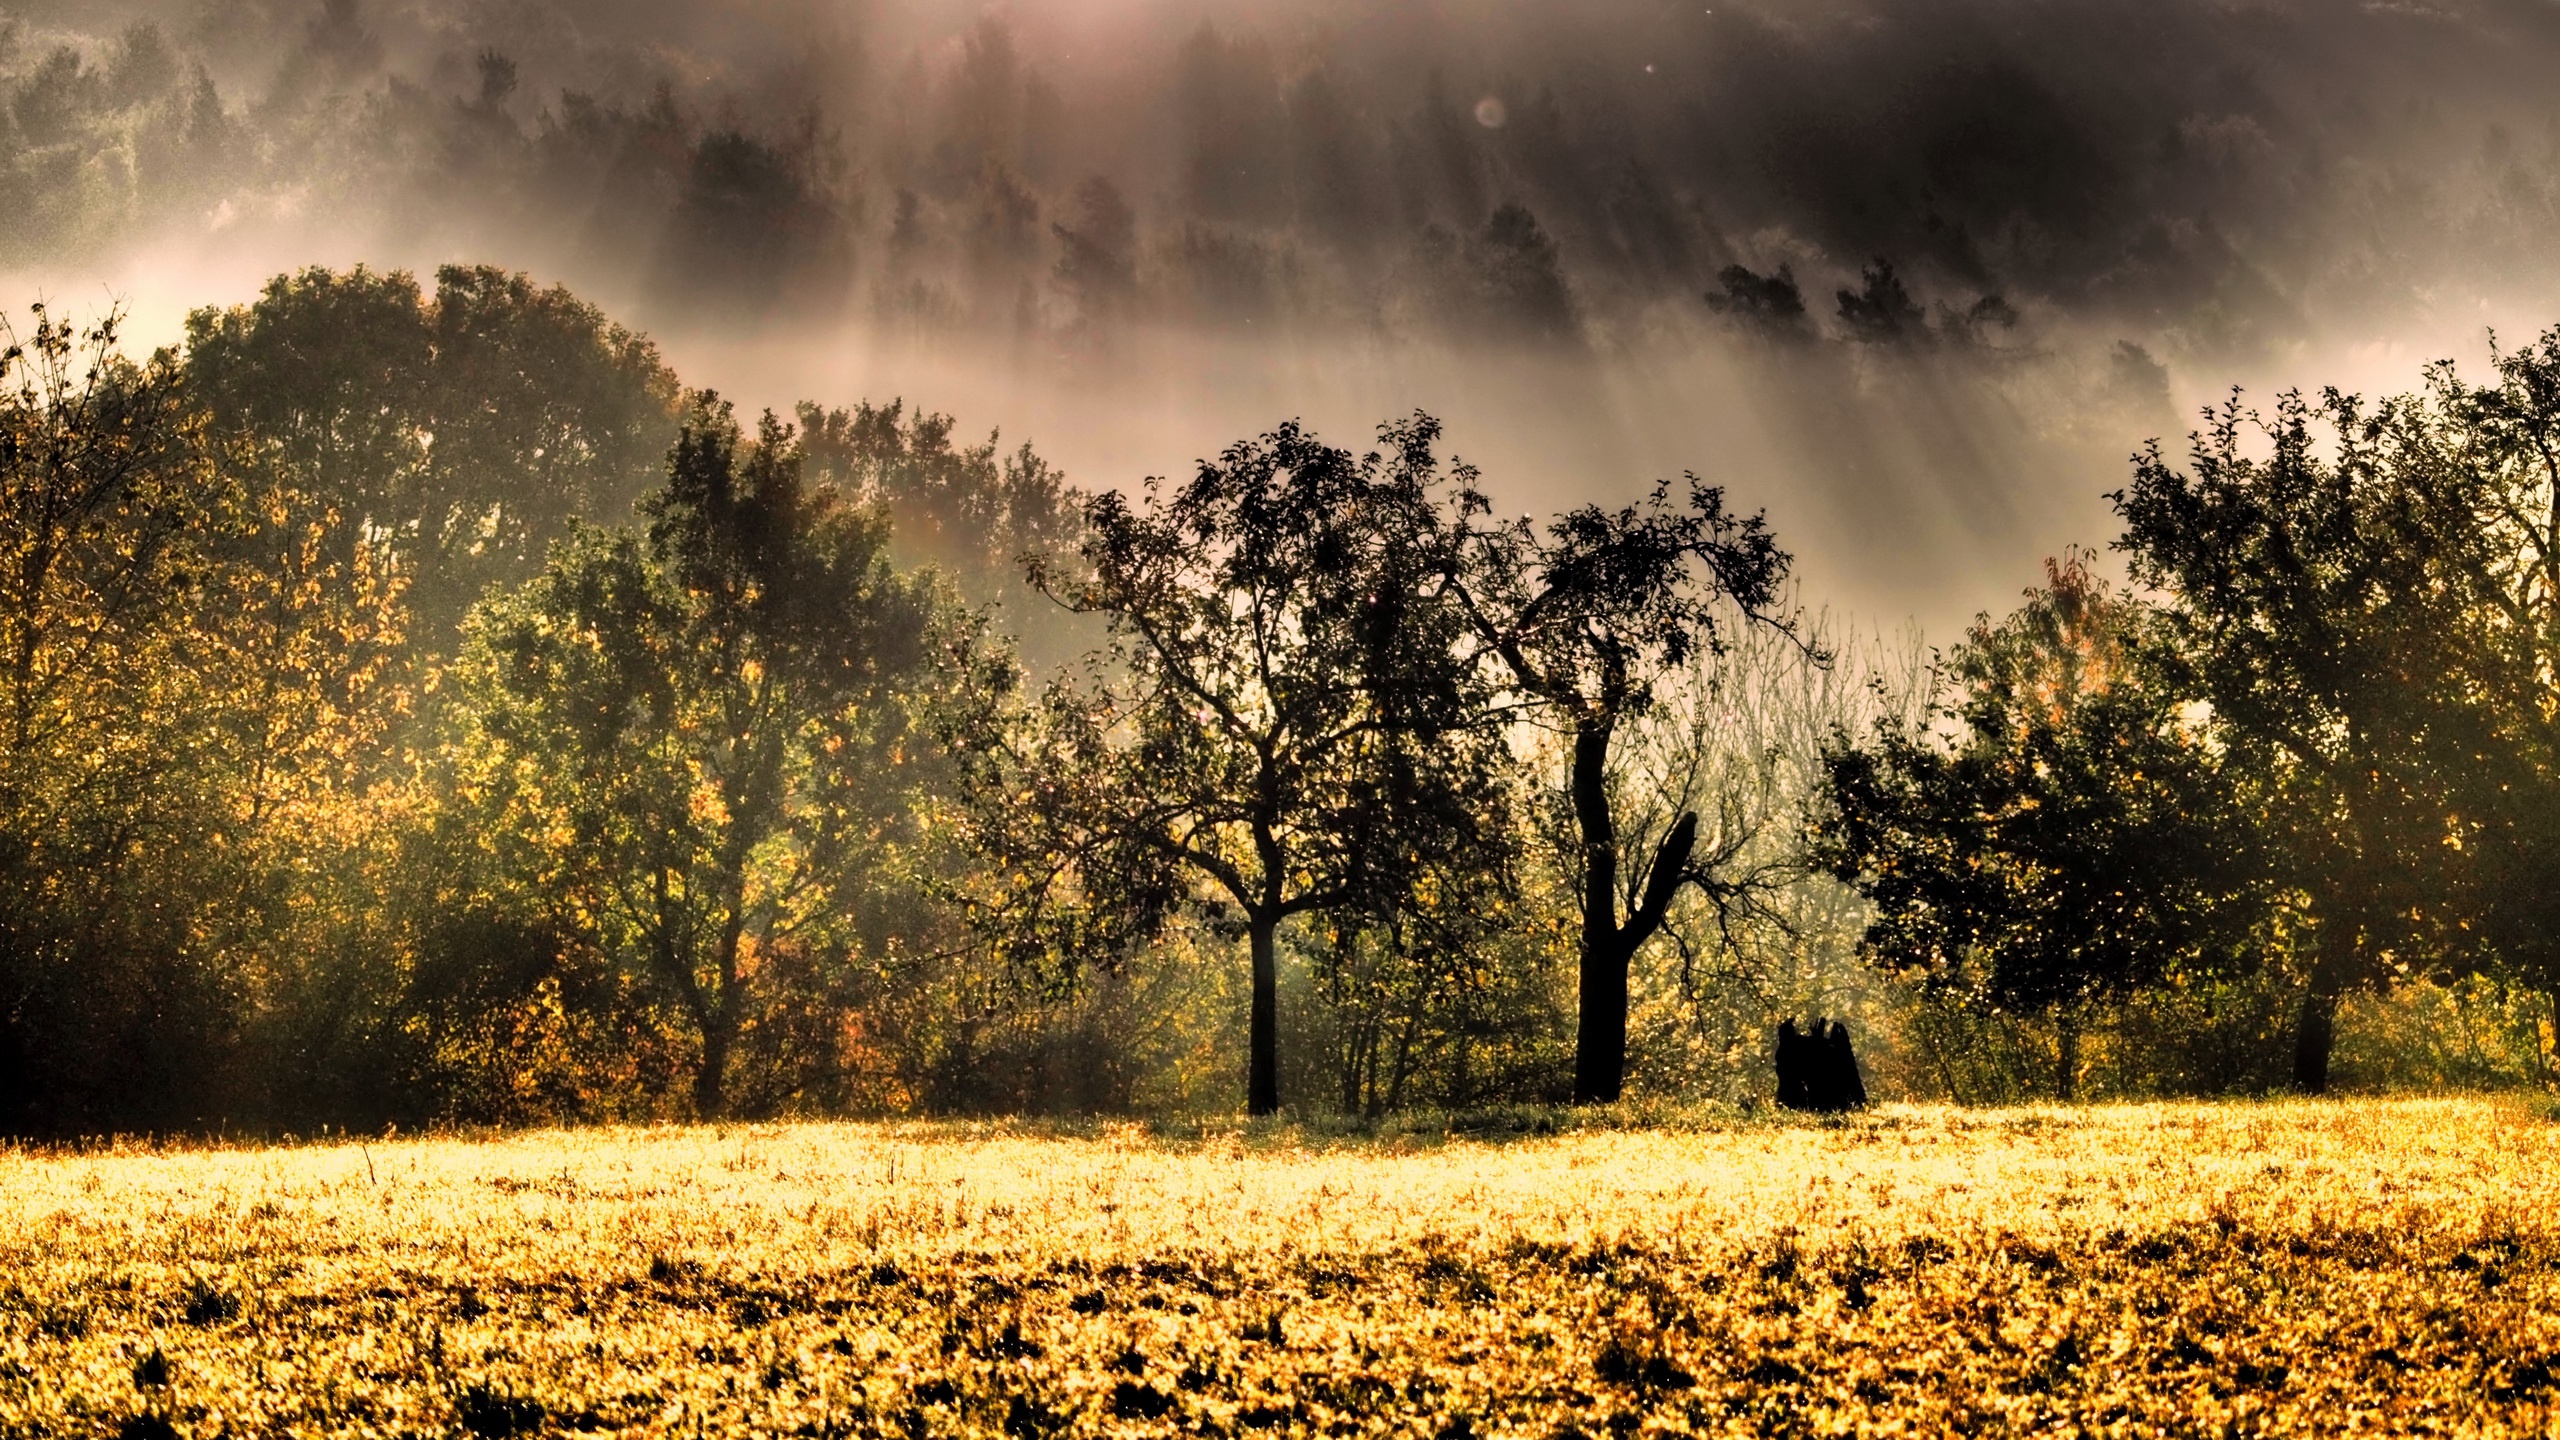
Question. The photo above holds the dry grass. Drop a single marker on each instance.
(2280, 1268)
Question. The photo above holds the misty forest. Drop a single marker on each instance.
(424, 704)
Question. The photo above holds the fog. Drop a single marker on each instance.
(1913, 275)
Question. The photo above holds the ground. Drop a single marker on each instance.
(2278, 1268)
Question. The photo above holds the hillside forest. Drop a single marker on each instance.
(422, 708)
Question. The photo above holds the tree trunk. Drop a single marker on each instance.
(2317, 1030)
(1262, 1085)
(2551, 1058)
(1600, 1035)
(719, 1017)
(1600, 1030)
(2315, 1034)
(710, 1083)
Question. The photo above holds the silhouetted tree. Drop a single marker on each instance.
(1880, 311)
(1284, 721)
(2478, 470)
(1334, 163)
(983, 106)
(1097, 263)
(1649, 227)
(1765, 304)
(2384, 620)
(757, 222)
(1521, 278)
(1585, 619)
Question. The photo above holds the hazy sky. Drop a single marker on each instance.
(2102, 213)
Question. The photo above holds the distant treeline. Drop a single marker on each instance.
(419, 707)
(2184, 173)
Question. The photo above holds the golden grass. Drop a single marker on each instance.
(2284, 1268)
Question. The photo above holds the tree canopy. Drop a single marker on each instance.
(1284, 722)
(1585, 619)
(664, 725)
(2062, 833)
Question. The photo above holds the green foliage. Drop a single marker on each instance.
(470, 430)
(194, 687)
(2370, 611)
(2472, 1034)
(2320, 765)
(355, 765)
(675, 743)
(978, 517)
(2466, 484)
(107, 729)
(2072, 841)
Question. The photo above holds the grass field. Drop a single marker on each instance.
(2283, 1268)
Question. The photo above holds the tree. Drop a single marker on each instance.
(104, 497)
(1740, 738)
(2456, 491)
(1283, 723)
(191, 683)
(1768, 305)
(1584, 620)
(1880, 311)
(2305, 608)
(1434, 991)
(674, 727)
(2487, 459)
(1098, 255)
(2069, 839)
(469, 430)
(971, 513)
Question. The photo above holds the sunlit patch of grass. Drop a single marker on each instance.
(2278, 1268)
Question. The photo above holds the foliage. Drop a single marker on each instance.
(2072, 841)
(194, 690)
(2466, 484)
(356, 767)
(980, 518)
(760, 172)
(2372, 623)
(664, 735)
(470, 430)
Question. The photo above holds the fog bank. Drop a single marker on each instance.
(1915, 274)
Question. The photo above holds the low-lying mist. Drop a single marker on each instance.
(1916, 275)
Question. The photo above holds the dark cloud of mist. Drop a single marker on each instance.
(1915, 274)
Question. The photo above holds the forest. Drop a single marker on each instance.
(422, 708)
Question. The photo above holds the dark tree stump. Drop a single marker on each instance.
(1792, 1053)
(1818, 1068)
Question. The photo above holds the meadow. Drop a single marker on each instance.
(2245, 1268)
